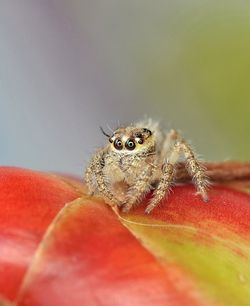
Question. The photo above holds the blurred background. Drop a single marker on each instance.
(67, 67)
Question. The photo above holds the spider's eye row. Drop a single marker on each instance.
(118, 144)
(130, 144)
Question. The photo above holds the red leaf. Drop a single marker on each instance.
(28, 203)
(184, 253)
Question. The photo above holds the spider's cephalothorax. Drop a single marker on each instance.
(139, 158)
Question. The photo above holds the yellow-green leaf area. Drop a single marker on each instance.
(219, 265)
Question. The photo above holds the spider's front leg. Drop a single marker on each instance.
(95, 179)
(166, 180)
(138, 190)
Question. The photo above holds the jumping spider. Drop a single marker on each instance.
(140, 158)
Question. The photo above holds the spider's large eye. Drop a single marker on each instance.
(130, 145)
(118, 144)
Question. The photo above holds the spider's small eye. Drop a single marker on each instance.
(110, 139)
(147, 131)
(130, 145)
(118, 144)
(139, 138)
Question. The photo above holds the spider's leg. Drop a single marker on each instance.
(196, 170)
(96, 170)
(193, 165)
(163, 187)
(89, 179)
(138, 190)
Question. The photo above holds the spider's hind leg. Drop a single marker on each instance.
(194, 167)
(168, 169)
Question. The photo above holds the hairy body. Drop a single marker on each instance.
(140, 158)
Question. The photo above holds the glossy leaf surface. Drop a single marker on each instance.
(61, 247)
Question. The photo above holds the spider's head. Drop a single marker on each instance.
(132, 140)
